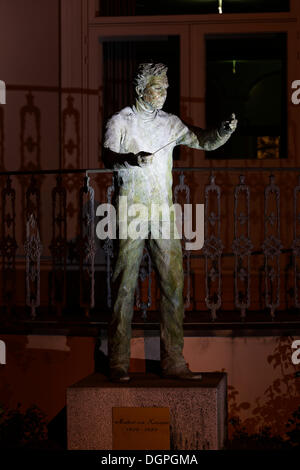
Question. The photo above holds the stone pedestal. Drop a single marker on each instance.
(198, 409)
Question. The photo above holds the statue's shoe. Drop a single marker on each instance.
(180, 372)
(117, 374)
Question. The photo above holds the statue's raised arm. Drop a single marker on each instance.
(209, 139)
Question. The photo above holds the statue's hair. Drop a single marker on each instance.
(145, 71)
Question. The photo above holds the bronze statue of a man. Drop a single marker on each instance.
(143, 175)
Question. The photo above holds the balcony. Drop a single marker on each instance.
(56, 273)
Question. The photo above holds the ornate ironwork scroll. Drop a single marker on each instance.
(30, 135)
(33, 198)
(87, 246)
(58, 246)
(8, 244)
(182, 187)
(296, 244)
(272, 246)
(213, 248)
(71, 146)
(71, 157)
(242, 247)
(33, 249)
(32, 246)
(70, 135)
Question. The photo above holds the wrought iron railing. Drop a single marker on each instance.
(54, 268)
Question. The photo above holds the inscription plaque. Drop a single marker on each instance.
(144, 428)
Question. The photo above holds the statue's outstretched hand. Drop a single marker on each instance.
(228, 126)
(144, 158)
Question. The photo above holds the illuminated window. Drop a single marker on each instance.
(246, 74)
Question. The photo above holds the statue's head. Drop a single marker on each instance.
(151, 84)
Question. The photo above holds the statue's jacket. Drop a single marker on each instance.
(130, 131)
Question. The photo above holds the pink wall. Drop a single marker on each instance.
(262, 387)
(29, 42)
(29, 58)
(39, 368)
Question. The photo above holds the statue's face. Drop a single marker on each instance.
(155, 93)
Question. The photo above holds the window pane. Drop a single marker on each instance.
(246, 74)
(188, 7)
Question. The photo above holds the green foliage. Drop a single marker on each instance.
(22, 429)
(293, 429)
(278, 402)
(264, 439)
